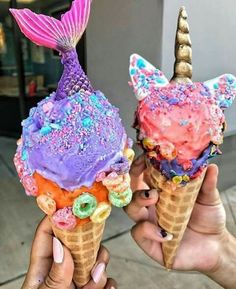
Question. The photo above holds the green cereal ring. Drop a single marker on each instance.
(84, 206)
(120, 199)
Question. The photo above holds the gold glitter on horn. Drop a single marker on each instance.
(183, 50)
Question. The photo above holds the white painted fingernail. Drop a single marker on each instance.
(58, 252)
(98, 271)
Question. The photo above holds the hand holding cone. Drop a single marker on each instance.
(179, 126)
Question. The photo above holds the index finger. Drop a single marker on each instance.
(41, 253)
(209, 194)
(42, 243)
(137, 174)
(139, 208)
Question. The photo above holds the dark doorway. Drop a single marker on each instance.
(39, 65)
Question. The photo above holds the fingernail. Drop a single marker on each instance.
(58, 252)
(112, 287)
(165, 235)
(98, 271)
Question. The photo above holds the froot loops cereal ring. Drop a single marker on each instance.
(149, 144)
(168, 151)
(101, 213)
(46, 204)
(120, 199)
(84, 206)
(129, 153)
(177, 180)
(123, 186)
(30, 185)
(64, 219)
(112, 180)
(19, 165)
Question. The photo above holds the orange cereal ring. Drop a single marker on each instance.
(112, 180)
(123, 186)
(46, 204)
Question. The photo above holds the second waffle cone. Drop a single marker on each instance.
(173, 209)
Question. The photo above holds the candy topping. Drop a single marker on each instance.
(84, 206)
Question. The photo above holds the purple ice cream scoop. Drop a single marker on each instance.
(75, 133)
(71, 140)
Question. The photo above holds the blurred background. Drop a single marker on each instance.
(117, 28)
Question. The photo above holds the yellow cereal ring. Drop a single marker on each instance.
(186, 178)
(129, 153)
(123, 186)
(149, 144)
(177, 180)
(101, 213)
(46, 204)
(152, 154)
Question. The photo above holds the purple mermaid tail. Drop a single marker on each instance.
(63, 36)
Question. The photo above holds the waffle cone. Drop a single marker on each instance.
(83, 243)
(173, 209)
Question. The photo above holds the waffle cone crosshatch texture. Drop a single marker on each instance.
(74, 155)
(83, 243)
(173, 209)
(180, 125)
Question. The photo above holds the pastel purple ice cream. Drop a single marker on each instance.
(75, 133)
(70, 141)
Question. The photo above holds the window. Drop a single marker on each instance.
(22, 86)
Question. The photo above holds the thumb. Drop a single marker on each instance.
(209, 194)
(61, 273)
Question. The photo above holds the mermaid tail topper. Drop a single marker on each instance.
(63, 36)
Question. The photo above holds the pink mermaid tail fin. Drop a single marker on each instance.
(62, 35)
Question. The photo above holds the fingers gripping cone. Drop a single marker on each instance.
(173, 209)
(172, 119)
(176, 202)
(83, 243)
(72, 142)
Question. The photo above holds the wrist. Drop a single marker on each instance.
(224, 271)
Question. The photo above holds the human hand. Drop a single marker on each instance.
(51, 264)
(205, 237)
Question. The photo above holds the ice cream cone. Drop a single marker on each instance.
(83, 243)
(173, 209)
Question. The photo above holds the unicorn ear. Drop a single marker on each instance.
(223, 88)
(145, 76)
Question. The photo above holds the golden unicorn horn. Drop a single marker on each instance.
(183, 50)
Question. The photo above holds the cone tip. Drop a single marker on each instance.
(183, 12)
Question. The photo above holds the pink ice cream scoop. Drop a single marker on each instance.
(180, 123)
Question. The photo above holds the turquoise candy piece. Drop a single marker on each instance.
(120, 199)
(84, 206)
